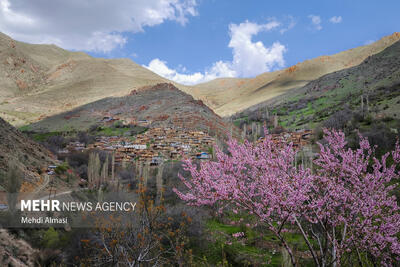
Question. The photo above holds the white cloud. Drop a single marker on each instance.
(290, 25)
(252, 58)
(92, 25)
(219, 69)
(249, 58)
(336, 19)
(316, 22)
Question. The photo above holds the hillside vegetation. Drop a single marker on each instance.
(364, 98)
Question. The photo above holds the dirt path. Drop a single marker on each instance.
(61, 194)
(43, 185)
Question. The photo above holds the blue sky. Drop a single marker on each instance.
(194, 41)
(205, 38)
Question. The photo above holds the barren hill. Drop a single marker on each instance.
(28, 156)
(162, 105)
(39, 80)
(228, 96)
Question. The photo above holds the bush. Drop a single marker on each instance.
(56, 140)
(368, 120)
(51, 238)
(339, 119)
(82, 171)
(83, 137)
(94, 128)
(61, 169)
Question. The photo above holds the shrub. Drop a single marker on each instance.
(50, 238)
(61, 169)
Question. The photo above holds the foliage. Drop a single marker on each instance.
(343, 208)
(148, 238)
(41, 137)
(50, 238)
(62, 168)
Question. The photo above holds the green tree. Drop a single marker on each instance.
(51, 238)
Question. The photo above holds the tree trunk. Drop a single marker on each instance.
(113, 167)
(362, 105)
(288, 250)
(275, 121)
(314, 255)
(334, 247)
(286, 260)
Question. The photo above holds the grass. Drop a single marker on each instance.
(25, 128)
(245, 252)
(235, 251)
(119, 131)
(41, 137)
(110, 131)
(214, 225)
(251, 250)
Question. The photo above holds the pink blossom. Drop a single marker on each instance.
(238, 234)
(345, 202)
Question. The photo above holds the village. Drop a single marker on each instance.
(152, 147)
(157, 145)
(299, 139)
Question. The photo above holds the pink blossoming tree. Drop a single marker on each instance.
(343, 207)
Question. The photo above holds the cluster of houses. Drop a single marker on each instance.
(299, 139)
(153, 147)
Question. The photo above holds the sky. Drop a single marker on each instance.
(194, 41)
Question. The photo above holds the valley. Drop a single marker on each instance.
(90, 127)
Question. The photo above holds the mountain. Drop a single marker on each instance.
(43, 80)
(230, 95)
(29, 157)
(366, 94)
(39, 80)
(162, 105)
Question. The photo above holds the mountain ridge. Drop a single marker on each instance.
(237, 94)
(44, 80)
(41, 80)
(367, 94)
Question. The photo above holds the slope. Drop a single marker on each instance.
(228, 96)
(369, 91)
(43, 80)
(38, 80)
(29, 157)
(162, 105)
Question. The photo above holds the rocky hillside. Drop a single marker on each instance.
(38, 80)
(160, 105)
(16, 148)
(371, 90)
(42, 80)
(228, 96)
(16, 252)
